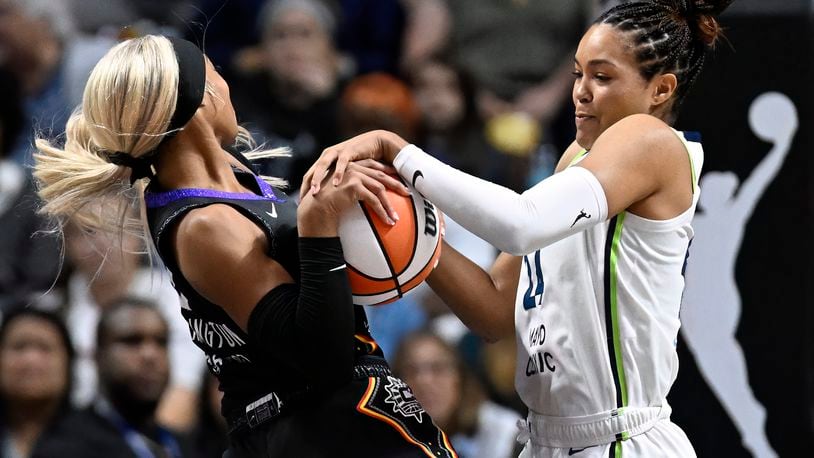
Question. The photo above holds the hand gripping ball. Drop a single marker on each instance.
(385, 262)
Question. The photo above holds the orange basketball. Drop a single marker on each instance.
(385, 262)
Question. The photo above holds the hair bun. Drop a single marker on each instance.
(703, 14)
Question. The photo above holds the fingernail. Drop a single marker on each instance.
(395, 216)
(313, 189)
(391, 222)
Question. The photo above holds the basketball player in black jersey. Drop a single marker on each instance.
(268, 296)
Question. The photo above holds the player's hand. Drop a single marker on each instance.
(377, 145)
(366, 181)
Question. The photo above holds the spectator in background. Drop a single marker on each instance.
(289, 85)
(518, 98)
(104, 273)
(450, 127)
(34, 35)
(370, 34)
(28, 262)
(35, 379)
(378, 101)
(133, 362)
(453, 397)
(171, 16)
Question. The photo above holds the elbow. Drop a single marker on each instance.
(517, 241)
(518, 244)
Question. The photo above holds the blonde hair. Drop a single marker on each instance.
(127, 106)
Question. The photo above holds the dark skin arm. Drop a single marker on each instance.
(484, 301)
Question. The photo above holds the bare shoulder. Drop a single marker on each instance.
(568, 156)
(222, 255)
(213, 223)
(643, 132)
(641, 139)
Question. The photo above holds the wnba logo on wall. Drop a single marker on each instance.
(403, 400)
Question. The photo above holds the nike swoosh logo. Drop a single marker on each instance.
(338, 268)
(416, 175)
(273, 213)
(574, 451)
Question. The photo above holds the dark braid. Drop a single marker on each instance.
(669, 36)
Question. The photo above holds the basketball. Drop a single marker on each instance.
(385, 262)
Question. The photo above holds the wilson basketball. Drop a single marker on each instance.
(385, 262)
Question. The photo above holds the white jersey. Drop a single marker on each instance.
(597, 313)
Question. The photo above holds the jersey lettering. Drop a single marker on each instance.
(536, 283)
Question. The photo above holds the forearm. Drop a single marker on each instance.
(484, 302)
(514, 223)
(313, 320)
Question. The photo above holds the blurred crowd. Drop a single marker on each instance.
(95, 357)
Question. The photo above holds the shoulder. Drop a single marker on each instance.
(642, 132)
(568, 156)
(214, 237)
(639, 139)
(213, 223)
(99, 437)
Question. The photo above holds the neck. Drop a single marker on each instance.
(194, 158)
(27, 419)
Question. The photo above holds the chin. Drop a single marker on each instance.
(585, 141)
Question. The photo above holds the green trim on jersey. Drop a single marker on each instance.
(579, 156)
(617, 344)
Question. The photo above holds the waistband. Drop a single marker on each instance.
(274, 404)
(591, 430)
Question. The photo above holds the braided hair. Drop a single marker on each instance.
(669, 36)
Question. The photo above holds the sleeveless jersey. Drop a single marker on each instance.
(597, 313)
(244, 370)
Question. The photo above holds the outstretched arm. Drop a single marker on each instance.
(637, 163)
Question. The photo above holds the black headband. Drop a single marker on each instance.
(191, 88)
(191, 81)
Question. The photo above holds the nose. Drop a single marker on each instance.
(581, 92)
(152, 351)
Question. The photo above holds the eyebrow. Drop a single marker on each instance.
(595, 62)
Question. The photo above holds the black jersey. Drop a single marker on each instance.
(244, 370)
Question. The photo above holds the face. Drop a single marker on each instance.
(298, 47)
(218, 106)
(23, 38)
(438, 95)
(608, 85)
(133, 362)
(431, 372)
(33, 361)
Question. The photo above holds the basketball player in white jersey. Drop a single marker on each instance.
(594, 287)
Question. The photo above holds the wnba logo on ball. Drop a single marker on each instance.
(385, 262)
(430, 221)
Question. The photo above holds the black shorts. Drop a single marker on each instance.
(370, 417)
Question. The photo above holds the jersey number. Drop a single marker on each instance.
(536, 283)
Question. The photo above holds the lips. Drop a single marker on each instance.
(581, 118)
